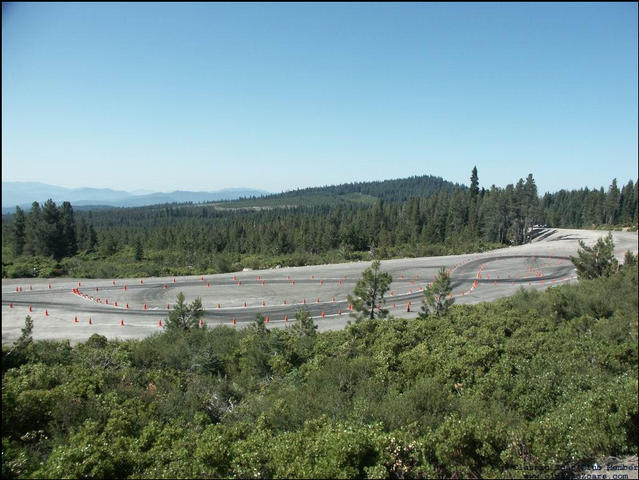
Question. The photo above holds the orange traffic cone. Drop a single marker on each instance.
(122, 323)
(145, 306)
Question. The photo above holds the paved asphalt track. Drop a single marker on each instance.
(279, 293)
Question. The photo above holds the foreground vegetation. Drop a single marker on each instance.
(546, 379)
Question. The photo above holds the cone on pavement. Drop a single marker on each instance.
(122, 323)
(145, 306)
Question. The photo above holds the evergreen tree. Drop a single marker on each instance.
(612, 203)
(19, 229)
(596, 261)
(368, 295)
(473, 199)
(69, 241)
(183, 316)
(138, 251)
(304, 325)
(34, 240)
(92, 239)
(52, 230)
(437, 299)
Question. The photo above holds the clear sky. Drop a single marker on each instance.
(278, 96)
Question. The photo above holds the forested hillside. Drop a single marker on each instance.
(538, 380)
(396, 190)
(388, 218)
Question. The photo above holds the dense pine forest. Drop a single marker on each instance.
(540, 380)
(418, 216)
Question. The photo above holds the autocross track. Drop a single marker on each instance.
(134, 308)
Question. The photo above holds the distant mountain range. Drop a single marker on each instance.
(23, 194)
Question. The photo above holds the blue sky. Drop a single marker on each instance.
(280, 96)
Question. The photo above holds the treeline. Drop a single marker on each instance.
(51, 231)
(173, 239)
(540, 381)
(396, 190)
(584, 207)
